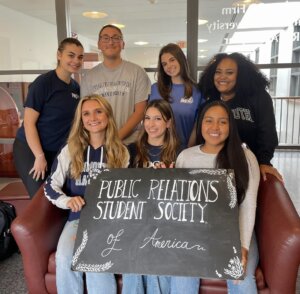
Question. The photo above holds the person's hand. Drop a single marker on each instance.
(163, 165)
(39, 168)
(268, 169)
(244, 259)
(244, 262)
(75, 203)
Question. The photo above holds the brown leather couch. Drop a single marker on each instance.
(277, 227)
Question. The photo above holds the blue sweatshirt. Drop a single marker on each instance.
(60, 187)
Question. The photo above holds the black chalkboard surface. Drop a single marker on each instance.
(181, 222)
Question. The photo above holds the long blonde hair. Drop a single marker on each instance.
(116, 153)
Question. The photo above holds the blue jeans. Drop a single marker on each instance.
(139, 284)
(68, 281)
(246, 286)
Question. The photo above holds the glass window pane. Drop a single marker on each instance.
(28, 38)
(153, 22)
(16, 87)
(265, 31)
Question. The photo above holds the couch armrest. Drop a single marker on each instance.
(36, 232)
(278, 235)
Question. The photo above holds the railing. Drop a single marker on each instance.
(287, 114)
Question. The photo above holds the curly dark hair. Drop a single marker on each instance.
(250, 80)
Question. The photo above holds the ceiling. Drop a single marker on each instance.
(157, 22)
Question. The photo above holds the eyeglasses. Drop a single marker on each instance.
(114, 39)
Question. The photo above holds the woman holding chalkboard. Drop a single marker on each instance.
(220, 147)
(156, 147)
(93, 145)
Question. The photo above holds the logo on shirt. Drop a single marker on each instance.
(187, 100)
(75, 96)
(91, 171)
(242, 114)
(111, 89)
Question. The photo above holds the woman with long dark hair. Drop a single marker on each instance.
(221, 147)
(175, 85)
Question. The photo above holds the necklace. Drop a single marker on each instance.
(156, 150)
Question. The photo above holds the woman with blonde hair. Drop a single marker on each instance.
(93, 145)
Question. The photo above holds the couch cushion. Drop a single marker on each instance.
(260, 280)
(50, 283)
(51, 263)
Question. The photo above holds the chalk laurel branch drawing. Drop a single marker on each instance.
(235, 268)
(232, 190)
(230, 179)
(88, 267)
(214, 172)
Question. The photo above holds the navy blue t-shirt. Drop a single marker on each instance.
(56, 101)
(154, 154)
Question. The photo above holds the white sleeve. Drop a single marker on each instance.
(179, 160)
(55, 182)
(247, 209)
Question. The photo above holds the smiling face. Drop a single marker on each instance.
(215, 128)
(155, 126)
(93, 117)
(225, 78)
(111, 43)
(70, 58)
(170, 65)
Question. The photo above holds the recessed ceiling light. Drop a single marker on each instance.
(202, 56)
(118, 25)
(202, 50)
(202, 40)
(141, 43)
(202, 22)
(246, 2)
(94, 14)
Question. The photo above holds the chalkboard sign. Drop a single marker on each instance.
(181, 222)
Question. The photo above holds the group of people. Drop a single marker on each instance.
(70, 133)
